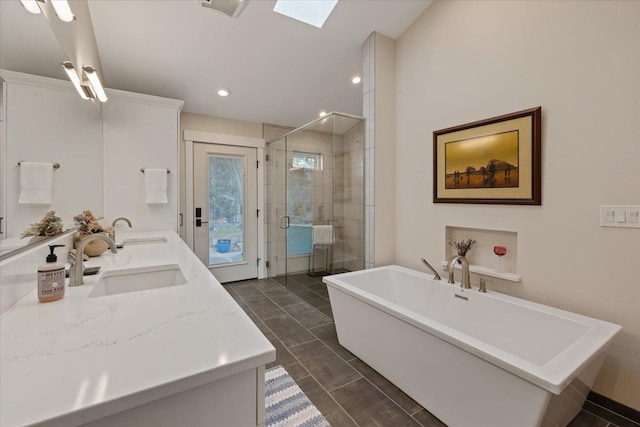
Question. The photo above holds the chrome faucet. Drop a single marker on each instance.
(465, 282)
(75, 270)
(433, 270)
(113, 224)
(112, 234)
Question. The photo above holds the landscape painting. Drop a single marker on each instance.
(493, 161)
(486, 161)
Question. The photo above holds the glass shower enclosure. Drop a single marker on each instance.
(315, 198)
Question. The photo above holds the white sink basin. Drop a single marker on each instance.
(137, 279)
(144, 241)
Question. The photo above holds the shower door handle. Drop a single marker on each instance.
(284, 222)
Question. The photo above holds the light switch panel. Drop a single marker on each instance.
(620, 216)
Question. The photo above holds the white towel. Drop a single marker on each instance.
(36, 183)
(155, 185)
(323, 234)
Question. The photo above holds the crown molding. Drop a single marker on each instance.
(121, 95)
(39, 81)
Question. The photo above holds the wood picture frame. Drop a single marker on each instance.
(492, 161)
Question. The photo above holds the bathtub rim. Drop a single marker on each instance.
(553, 376)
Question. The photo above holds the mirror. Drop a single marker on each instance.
(43, 120)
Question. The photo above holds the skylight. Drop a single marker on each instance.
(312, 12)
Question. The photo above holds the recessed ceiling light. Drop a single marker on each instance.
(312, 12)
(224, 92)
(322, 113)
(356, 79)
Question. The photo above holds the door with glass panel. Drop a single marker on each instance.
(226, 211)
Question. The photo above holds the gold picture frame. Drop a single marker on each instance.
(492, 161)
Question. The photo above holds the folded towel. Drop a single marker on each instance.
(155, 185)
(36, 183)
(323, 234)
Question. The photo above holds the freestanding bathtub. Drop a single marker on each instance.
(472, 359)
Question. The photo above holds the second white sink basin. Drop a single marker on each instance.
(144, 241)
(137, 279)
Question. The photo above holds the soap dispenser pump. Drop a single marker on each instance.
(51, 278)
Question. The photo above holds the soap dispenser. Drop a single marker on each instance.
(51, 278)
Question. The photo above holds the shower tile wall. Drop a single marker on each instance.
(349, 199)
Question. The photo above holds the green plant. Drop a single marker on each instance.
(50, 225)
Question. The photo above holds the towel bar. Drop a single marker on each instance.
(142, 170)
(55, 165)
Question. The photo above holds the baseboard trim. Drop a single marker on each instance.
(614, 406)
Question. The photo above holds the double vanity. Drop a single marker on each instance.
(152, 340)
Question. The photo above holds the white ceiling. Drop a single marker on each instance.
(278, 70)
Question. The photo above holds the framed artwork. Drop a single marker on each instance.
(492, 161)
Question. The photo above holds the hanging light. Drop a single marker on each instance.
(63, 10)
(31, 6)
(94, 83)
(73, 76)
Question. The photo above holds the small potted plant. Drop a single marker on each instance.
(463, 246)
(223, 245)
(88, 225)
(50, 225)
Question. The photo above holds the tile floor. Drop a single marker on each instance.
(299, 323)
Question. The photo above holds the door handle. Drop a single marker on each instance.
(284, 222)
(199, 222)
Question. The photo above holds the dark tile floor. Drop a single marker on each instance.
(299, 323)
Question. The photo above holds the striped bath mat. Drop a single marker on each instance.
(286, 405)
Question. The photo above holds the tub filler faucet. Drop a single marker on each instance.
(433, 270)
(465, 282)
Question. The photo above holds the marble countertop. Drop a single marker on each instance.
(78, 359)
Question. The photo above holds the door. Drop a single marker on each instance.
(226, 210)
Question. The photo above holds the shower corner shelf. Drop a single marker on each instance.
(487, 271)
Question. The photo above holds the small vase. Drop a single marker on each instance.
(92, 249)
(461, 254)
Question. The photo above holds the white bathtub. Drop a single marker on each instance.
(472, 359)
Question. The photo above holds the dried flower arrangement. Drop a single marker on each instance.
(463, 246)
(88, 224)
(49, 225)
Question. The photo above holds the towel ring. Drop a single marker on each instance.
(55, 165)
(142, 170)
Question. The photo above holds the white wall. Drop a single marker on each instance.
(140, 131)
(465, 61)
